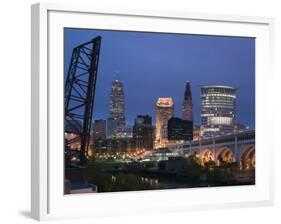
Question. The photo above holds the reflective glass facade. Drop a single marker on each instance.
(217, 110)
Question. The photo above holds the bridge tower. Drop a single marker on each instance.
(79, 94)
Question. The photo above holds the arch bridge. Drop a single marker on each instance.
(238, 147)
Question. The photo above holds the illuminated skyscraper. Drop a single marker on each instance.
(116, 119)
(164, 111)
(187, 110)
(217, 110)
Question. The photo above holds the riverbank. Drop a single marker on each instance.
(114, 177)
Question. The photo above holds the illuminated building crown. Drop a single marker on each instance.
(165, 102)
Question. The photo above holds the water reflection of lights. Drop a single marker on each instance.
(120, 155)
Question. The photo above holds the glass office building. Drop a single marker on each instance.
(218, 106)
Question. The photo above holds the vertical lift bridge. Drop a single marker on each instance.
(79, 95)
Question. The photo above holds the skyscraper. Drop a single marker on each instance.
(187, 108)
(116, 119)
(164, 111)
(217, 110)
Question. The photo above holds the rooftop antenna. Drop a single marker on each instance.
(117, 74)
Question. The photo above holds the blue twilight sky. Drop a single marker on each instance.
(153, 65)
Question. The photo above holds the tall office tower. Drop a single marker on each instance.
(217, 110)
(116, 119)
(187, 108)
(164, 111)
(143, 133)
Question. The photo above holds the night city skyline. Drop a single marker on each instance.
(170, 60)
(149, 111)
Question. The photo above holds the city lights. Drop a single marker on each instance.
(161, 125)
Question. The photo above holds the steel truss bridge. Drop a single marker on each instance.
(79, 95)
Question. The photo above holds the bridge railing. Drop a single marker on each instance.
(239, 136)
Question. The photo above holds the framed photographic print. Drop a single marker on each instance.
(161, 111)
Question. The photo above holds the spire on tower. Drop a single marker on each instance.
(187, 94)
(187, 109)
(117, 74)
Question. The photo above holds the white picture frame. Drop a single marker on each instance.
(48, 201)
